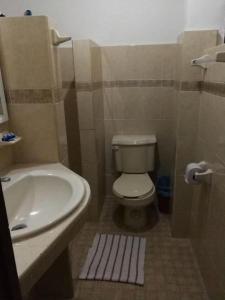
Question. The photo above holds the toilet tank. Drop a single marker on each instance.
(134, 153)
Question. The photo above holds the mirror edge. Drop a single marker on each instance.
(4, 117)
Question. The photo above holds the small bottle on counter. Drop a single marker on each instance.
(28, 12)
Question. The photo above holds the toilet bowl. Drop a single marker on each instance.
(134, 192)
(134, 189)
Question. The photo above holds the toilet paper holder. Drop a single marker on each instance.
(203, 175)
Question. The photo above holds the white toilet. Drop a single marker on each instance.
(134, 158)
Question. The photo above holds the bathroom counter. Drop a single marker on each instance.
(35, 255)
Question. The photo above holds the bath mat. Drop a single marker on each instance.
(116, 258)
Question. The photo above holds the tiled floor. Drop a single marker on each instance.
(171, 271)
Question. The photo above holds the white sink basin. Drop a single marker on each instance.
(39, 199)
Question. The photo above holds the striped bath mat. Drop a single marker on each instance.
(115, 258)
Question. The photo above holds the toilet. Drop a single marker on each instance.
(134, 159)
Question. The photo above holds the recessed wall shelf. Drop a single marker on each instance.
(204, 60)
(10, 143)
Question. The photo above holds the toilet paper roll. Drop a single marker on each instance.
(190, 171)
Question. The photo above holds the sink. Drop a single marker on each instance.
(39, 199)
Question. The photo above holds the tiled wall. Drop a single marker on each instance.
(68, 110)
(88, 77)
(6, 154)
(139, 98)
(27, 66)
(208, 209)
(192, 44)
(41, 94)
(68, 103)
(198, 212)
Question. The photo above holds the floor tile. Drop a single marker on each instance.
(171, 270)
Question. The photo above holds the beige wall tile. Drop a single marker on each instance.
(109, 180)
(139, 62)
(212, 124)
(188, 110)
(133, 103)
(87, 61)
(100, 140)
(72, 129)
(169, 103)
(185, 153)
(207, 233)
(215, 72)
(170, 54)
(200, 137)
(219, 129)
(109, 159)
(207, 119)
(85, 110)
(98, 104)
(82, 60)
(61, 123)
(6, 159)
(67, 64)
(26, 53)
(88, 69)
(88, 146)
(56, 66)
(90, 173)
(6, 154)
(115, 63)
(101, 187)
(36, 124)
(96, 62)
(61, 133)
(185, 192)
(193, 45)
(181, 208)
(186, 129)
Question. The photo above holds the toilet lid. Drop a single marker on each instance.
(133, 185)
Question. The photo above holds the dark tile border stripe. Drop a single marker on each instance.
(139, 83)
(215, 88)
(33, 96)
(188, 85)
(181, 85)
(29, 96)
(86, 86)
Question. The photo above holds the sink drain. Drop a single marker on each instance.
(18, 227)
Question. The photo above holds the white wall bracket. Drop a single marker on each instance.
(57, 39)
(204, 60)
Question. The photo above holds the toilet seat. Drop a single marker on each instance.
(133, 186)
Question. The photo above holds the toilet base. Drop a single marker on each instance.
(135, 217)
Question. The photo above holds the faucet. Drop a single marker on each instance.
(5, 179)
